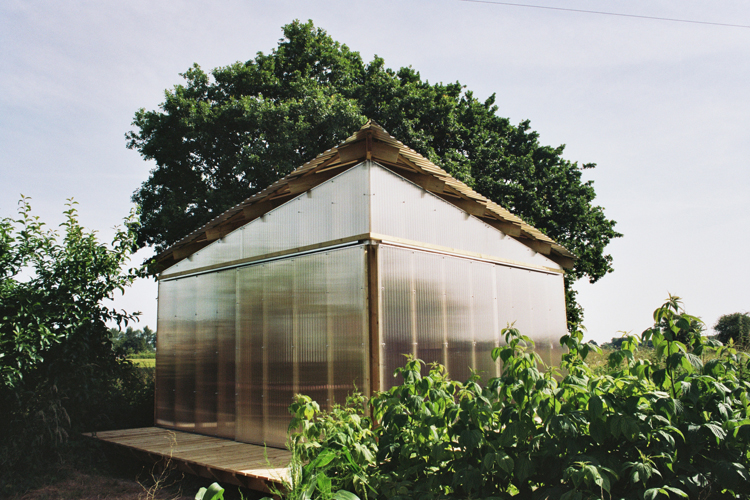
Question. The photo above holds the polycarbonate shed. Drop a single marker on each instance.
(321, 284)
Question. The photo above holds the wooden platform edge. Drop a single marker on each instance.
(268, 483)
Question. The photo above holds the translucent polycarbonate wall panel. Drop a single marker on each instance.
(536, 307)
(206, 352)
(461, 324)
(405, 210)
(166, 355)
(185, 352)
(226, 249)
(397, 337)
(347, 337)
(196, 354)
(485, 318)
(215, 353)
(452, 310)
(226, 301)
(310, 343)
(428, 300)
(279, 386)
(301, 329)
(337, 208)
(251, 352)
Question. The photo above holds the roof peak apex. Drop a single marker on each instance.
(371, 124)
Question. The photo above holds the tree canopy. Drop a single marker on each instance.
(218, 139)
(735, 327)
(131, 341)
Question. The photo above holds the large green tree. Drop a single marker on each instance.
(220, 138)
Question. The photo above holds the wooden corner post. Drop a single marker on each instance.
(373, 300)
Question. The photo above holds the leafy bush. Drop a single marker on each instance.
(667, 428)
(58, 371)
(338, 447)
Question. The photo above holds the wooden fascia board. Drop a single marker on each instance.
(368, 148)
(425, 181)
(469, 206)
(541, 247)
(213, 233)
(565, 262)
(509, 228)
(384, 152)
(257, 209)
(189, 249)
(353, 151)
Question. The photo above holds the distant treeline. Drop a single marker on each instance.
(134, 343)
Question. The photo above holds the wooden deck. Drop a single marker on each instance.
(228, 462)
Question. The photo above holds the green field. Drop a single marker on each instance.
(144, 362)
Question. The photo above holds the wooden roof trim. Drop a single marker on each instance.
(369, 142)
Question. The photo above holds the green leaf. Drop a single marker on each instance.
(213, 492)
(524, 468)
(716, 430)
(572, 495)
(596, 407)
(505, 461)
(344, 495)
(470, 438)
(324, 484)
(676, 491)
(652, 493)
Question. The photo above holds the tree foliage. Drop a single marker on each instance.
(58, 370)
(131, 341)
(734, 327)
(677, 427)
(219, 138)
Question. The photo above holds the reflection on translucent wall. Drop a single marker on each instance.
(205, 348)
(226, 301)
(302, 324)
(196, 354)
(166, 354)
(405, 210)
(185, 354)
(451, 310)
(337, 208)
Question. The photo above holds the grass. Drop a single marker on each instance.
(143, 362)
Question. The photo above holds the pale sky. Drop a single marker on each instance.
(663, 109)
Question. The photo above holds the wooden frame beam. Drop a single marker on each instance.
(509, 228)
(373, 294)
(541, 247)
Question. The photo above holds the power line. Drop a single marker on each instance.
(607, 13)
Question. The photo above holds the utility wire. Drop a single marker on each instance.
(607, 13)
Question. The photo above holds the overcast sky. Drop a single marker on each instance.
(662, 108)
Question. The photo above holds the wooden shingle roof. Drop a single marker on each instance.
(370, 142)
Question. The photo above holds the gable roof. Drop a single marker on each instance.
(371, 142)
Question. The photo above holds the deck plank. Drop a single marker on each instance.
(249, 465)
